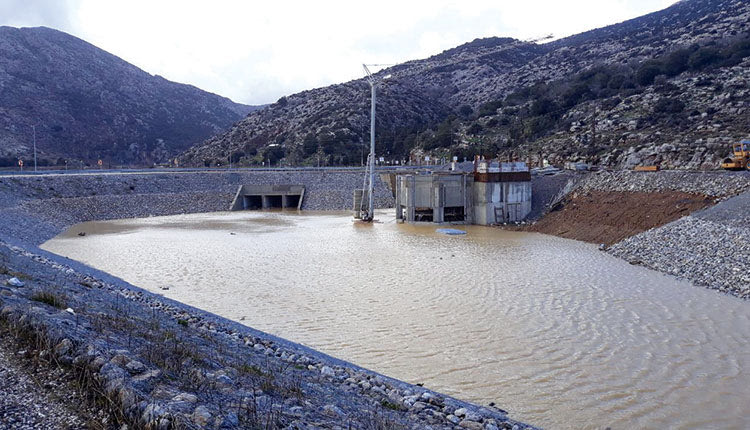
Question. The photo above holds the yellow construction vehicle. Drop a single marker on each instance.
(741, 158)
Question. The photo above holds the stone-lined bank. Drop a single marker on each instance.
(163, 364)
(36, 208)
(710, 247)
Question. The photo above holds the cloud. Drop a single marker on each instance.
(35, 13)
(255, 52)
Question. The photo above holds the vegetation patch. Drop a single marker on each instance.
(50, 298)
(392, 406)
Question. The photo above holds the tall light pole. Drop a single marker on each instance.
(371, 165)
(33, 129)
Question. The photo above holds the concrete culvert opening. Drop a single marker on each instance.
(252, 197)
(292, 202)
(252, 202)
(273, 202)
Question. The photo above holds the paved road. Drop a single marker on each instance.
(94, 172)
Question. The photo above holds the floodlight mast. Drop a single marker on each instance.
(371, 165)
(371, 158)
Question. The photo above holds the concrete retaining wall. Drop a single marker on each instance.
(36, 208)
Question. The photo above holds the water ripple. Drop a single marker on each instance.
(553, 330)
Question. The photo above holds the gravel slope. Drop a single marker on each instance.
(39, 397)
(711, 248)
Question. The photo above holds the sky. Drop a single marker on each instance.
(257, 51)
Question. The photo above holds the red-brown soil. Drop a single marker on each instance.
(609, 217)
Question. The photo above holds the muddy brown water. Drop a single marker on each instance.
(551, 329)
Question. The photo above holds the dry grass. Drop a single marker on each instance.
(50, 298)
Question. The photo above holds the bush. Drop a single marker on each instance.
(310, 145)
(575, 95)
(273, 153)
(616, 82)
(668, 105)
(677, 62)
(8, 161)
(647, 73)
(49, 298)
(475, 129)
(543, 106)
(465, 111)
(704, 57)
(443, 136)
(537, 126)
(735, 53)
(489, 108)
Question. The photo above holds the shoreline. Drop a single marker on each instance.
(113, 330)
(36, 208)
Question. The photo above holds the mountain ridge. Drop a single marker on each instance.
(89, 104)
(331, 123)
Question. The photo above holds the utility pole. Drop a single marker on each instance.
(33, 129)
(373, 85)
(371, 204)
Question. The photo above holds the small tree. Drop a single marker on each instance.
(309, 145)
(465, 111)
(647, 73)
(475, 129)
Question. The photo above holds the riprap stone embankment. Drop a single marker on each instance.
(158, 363)
(36, 208)
(710, 247)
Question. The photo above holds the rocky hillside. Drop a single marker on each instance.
(668, 87)
(88, 104)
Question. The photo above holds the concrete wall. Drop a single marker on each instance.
(498, 202)
(482, 203)
(433, 198)
(34, 208)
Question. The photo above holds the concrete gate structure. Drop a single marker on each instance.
(494, 193)
(267, 197)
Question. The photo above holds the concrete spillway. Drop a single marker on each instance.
(267, 197)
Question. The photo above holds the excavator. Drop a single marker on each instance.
(741, 158)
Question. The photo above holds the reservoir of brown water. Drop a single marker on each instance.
(553, 330)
